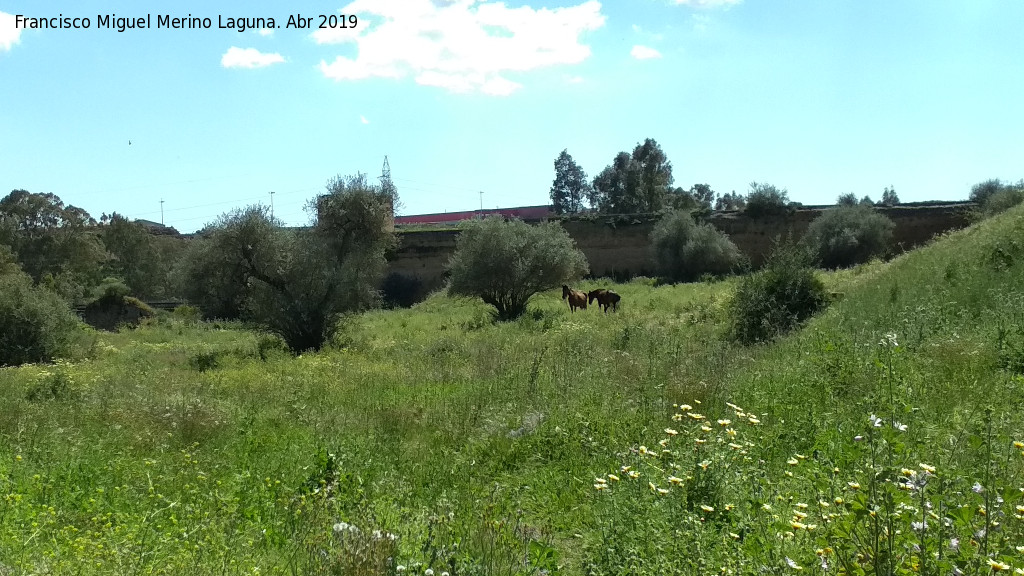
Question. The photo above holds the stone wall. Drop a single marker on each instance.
(619, 247)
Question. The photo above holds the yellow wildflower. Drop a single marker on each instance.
(731, 433)
(908, 472)
(675, 480)
(797, 525)
(724, 422)
(853, 485)
(927, 468)
(600, 480)
(662, 490)
(686, 407)
(695, 415)
(600, 487)
(801, 505)
(792, 461)
(706, 428)
(613, 477)
(706, 508)
(753, 420)
(704, 464)
(1018, 444)
(663, 442)
(734, 446)
(670, 432)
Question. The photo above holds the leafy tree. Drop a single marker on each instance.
(1005, 198)
(766, 199)
(506, 263)
(679, 199)
(848, 199)
(570, 187)
(777, 298)
(211, 279)
(703, 195)
(685, 251)
(848, 235)
(36, 325)
(889, 197)
(141, 259)
(866, 201)
(634, 183)
(615, 188)
(52, 240)
(731, 201)
(982, 190)
(298, 282)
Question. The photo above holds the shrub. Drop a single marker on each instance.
(847, 235)
(189, 315)
(506, 263)
(778, 298)
(112, 291)
(685, 251)
(766, 200)
(36, 325)
(1004, 199)
(981, 191)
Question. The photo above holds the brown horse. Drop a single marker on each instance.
(605, 298)
(576, 298)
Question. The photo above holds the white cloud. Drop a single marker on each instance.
(364, 120)
(265, 31)
(248, 58)
(9, 35)
(574, 79)
(644, 53)
(707, 3)
(458, 45)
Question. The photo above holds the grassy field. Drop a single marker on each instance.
(884, 437)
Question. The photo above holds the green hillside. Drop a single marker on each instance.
(458, 445)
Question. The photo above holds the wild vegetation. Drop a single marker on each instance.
(880, 437)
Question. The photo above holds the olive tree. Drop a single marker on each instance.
(506, 263)
(848, 235)
(298, 282)
(685, 250)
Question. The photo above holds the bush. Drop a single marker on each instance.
(110, 292)
(778, 298)
(36, 325)
(766, 200)
(1003, 200)
(506, 263)
(685, 251)
(847, 235)
(189, 315)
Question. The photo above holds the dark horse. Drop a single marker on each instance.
(605, 298)
(576, 298)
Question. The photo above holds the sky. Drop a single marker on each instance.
(464, 96)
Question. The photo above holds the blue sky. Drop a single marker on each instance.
(464, 96)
